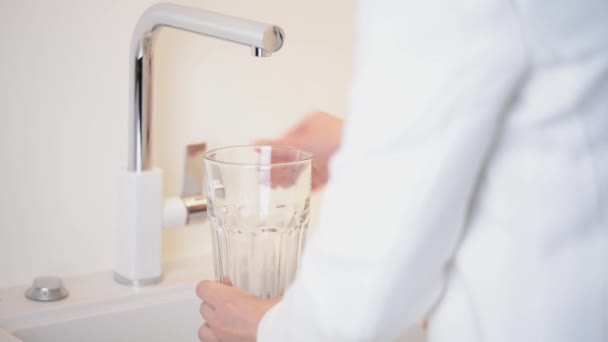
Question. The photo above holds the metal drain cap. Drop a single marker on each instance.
(47, 289)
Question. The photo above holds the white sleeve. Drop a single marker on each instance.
(433, 82)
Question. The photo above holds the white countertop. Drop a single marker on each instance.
(98, 292)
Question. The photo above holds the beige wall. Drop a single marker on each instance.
(63, 113)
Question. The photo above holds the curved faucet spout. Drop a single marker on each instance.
(263, 39)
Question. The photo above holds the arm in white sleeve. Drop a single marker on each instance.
(433, 82)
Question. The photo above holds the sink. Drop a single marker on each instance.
(98, 309)
(174, 320)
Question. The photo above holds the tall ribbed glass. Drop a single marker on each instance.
(258, 206)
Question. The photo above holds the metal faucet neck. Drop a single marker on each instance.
(264, 39)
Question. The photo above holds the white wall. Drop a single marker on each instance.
(64, 103)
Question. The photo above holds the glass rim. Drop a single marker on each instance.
(306, 158)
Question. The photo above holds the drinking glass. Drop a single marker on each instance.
(258, 202)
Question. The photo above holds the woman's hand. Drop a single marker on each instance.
(231, 315)
(319, 133)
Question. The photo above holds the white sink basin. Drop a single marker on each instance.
(100, 310)
(176, 320)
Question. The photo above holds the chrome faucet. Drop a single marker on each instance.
(140, 194)
(264, 39)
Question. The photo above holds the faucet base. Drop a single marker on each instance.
(136, 282)
(139, 245)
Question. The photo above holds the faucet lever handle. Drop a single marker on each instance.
(193, 170)
(191, 204)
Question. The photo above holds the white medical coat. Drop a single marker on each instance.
(472, 184)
